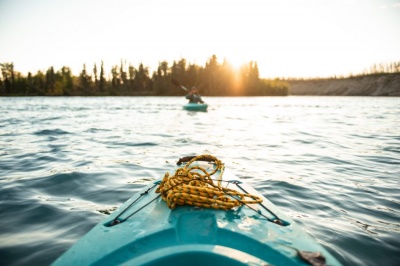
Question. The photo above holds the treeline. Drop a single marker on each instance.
(387, 68)
(213, 79)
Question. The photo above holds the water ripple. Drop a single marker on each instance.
(51, 132)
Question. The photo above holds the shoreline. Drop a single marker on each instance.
(370, 85)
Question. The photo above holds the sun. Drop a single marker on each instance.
(237, 62)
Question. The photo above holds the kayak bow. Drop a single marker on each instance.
(202, 107)
(145, 231)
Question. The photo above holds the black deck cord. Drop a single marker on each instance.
(117, 221)
(277, 220)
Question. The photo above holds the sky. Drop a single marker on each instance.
(287, 38)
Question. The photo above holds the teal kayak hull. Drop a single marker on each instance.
(202, 107)
(152, 234)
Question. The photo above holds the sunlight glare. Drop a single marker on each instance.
(236, 68)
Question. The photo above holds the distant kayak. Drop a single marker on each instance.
(202, 107)
(197, 215)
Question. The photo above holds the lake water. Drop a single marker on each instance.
(331, 163)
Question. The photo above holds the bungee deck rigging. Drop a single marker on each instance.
(189, 187)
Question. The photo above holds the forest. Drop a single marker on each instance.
(212, 79)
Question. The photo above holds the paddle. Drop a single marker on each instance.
(177, 83)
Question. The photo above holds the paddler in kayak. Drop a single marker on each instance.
(193, 96)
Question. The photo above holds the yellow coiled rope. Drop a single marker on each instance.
(193, 185)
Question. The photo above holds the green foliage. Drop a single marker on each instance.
(213, 79)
